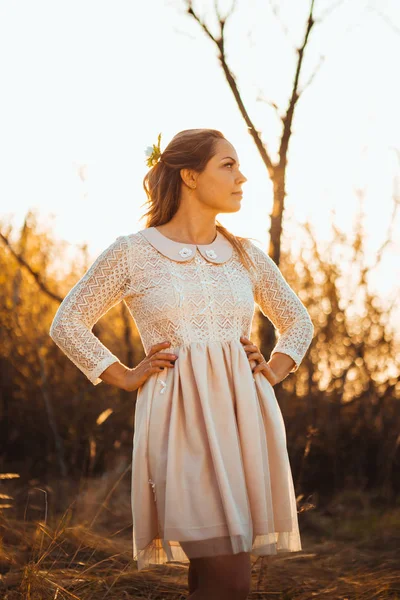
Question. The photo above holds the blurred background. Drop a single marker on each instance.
(307, 92)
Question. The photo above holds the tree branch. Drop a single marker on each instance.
(287, 119)
(191, 12)
(385, 18)
(329, 11)
(261, 98)
(220, 43)
(34, 274)
(276, 14)
(311, 78)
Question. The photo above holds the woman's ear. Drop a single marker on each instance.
(189, 177)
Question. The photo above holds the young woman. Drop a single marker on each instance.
(211, 479)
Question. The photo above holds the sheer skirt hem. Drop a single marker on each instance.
(160, 551)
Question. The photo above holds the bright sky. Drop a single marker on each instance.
(88, 84)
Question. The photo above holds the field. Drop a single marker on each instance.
(351, 550)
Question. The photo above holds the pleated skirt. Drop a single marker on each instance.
(210, 468)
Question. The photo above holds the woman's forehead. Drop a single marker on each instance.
(225, 148)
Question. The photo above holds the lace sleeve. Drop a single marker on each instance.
(283, 307)
(103, 285)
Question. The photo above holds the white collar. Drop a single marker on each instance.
(219, 251)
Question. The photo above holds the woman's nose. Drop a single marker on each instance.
(242, 178)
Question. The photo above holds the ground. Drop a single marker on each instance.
(351, 551)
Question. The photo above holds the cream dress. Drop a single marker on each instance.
(210, 468)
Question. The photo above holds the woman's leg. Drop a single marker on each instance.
(193, 580)
(225, 577)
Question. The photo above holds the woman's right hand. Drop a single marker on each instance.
(154, 362)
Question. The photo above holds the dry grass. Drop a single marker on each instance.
(350, 552)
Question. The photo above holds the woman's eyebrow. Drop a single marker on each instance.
(229, 157)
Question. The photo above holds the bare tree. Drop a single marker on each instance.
(276, 169)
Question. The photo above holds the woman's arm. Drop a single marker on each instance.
(115, 374)
(103, 286)
(281, 364)
(283, 307)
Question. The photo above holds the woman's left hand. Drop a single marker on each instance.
(253, 353)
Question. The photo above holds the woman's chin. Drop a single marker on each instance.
(231, 207)
(237, 207)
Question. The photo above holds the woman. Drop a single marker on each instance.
(211, 479)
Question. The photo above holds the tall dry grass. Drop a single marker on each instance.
(350, 549)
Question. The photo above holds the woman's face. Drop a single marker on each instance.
(218, 185)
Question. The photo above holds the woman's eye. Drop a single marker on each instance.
(229, 165)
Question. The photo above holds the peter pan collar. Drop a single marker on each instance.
(219, 251)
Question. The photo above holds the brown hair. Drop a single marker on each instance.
(188, 149)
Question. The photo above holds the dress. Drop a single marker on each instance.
(210, 468)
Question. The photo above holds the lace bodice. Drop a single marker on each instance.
(178, 292)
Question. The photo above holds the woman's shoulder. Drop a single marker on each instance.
(135, 238)
(125, 246)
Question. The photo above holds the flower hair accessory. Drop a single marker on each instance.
(153, 153)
